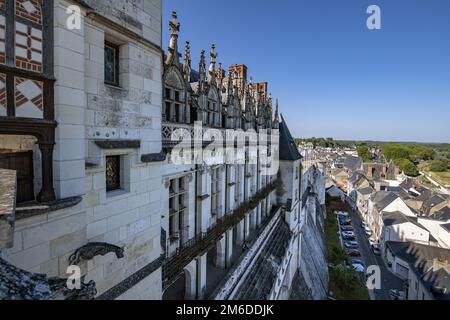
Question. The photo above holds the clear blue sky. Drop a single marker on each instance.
(333, 76)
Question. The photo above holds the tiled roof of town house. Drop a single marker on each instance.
(396, 217)
(288, 148)
(418, 253)
(365, 191)
(419, 257)
(383, 198)
(442, 215)
(353, 163)
(356, 176)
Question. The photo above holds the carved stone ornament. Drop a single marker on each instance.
(167, 183)
(93, 249)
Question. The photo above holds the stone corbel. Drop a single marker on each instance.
(90, 250)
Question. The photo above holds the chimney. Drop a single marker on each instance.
(369, 171)
(241, 70)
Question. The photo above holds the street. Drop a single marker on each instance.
(388, 280)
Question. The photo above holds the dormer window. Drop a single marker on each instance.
(173, 105)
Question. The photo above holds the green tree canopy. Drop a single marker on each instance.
(408, 167)
(364, 153)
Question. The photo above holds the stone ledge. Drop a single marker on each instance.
(153, 157)
(118, 144)
(32, 209)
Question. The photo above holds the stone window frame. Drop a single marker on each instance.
(213, 110)
(116, 48)
(178, 208)
(216, 191)
(125, 172)
(176, 106)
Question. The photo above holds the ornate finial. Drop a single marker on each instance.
(220, 75)
(212, 64)
(174, 27)
(202, 67)
(187, 62)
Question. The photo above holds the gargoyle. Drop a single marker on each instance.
(90, 250)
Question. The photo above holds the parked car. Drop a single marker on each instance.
(358, 268)
(368, 233)
(354, 253)
(363, 225)
(372, 242)
(351, 244)
(367, 229)
(348, 233)
(376, 250)
(348, 238)
(346, 228)
(345, 223)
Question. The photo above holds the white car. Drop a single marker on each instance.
(358, 267)
(348, 233)
(372, 242)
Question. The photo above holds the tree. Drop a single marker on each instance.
(439, 165)
(364, 153)
(407, 167)
(394, 151)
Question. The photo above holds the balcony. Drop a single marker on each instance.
(175, 265)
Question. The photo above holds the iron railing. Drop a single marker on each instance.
(174, 265)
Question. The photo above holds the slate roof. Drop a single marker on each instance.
(353, 163)
(443, 214)
(382, 199)
(446, 227)
(365, 191)
(288, 149)
(263, 274)
(356, 176)
(417, 253)
(417, 256)
(396, 217)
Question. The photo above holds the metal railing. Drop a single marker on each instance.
(174, 265)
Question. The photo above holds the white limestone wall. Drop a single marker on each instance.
(142, 17)
(129, 218)
(70, 104)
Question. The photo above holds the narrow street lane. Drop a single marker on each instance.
(388, 280)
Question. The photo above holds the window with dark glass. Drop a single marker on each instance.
(112, 173)
(111, 64)
(177, 207)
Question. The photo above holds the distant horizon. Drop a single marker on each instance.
(332, 75)
(370, 140)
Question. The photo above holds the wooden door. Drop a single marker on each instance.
(22, 162)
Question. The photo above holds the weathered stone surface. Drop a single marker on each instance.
(7, 207)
